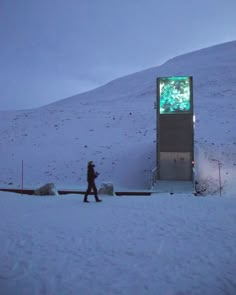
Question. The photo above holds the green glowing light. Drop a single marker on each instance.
(174, 95)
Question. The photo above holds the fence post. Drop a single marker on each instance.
(22, 176)
(219, 165)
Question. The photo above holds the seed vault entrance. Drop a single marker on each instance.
(175, 134)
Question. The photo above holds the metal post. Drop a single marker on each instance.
(219, 164)
(22, 176)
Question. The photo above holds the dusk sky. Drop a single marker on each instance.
(53, 49)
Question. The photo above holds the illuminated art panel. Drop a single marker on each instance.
(175, 95)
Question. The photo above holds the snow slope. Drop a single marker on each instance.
(115, 125)
(157, 245)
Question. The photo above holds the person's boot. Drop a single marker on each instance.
(97, 199)
(86, 199)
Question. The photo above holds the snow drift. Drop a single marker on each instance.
(115, 126)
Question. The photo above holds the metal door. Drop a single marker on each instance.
(175, 166)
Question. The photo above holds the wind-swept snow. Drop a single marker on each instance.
(160, 244)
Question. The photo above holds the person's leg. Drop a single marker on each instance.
(87, 192)
(95, 192)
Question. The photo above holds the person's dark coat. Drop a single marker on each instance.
(91, 174)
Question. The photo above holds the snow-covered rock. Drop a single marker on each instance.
(49, 189)
(106, 188)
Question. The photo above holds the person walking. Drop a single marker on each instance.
(91, 175)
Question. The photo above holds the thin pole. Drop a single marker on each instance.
(219, 164)
(22, 176)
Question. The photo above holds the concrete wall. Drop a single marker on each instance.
(175, 133)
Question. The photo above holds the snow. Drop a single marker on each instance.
(160, 244)
(115, 126)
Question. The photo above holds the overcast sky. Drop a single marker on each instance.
(52, 49)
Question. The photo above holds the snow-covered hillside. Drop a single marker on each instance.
(161, 244)
(115, 126)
